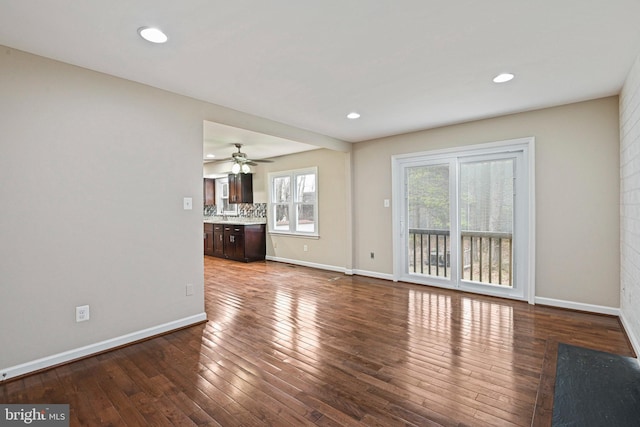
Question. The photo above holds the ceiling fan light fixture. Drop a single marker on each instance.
(246, 168)
(235, 169)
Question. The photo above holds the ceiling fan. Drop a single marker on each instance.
(241, 162)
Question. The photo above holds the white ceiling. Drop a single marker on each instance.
(404, 65)
(220, 140)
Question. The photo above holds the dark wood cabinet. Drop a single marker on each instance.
(255, 242)
(246, 242)
(208, 239)
(209, 191)
(234, 242)
(242, 242)
(241, 188)
(218, 240)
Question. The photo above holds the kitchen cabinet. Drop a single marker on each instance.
(234, 241)
(241, 188)
(244, 242)
(208, 239)
(218, 240)
(209, 191)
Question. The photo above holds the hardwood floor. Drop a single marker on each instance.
(293, 346)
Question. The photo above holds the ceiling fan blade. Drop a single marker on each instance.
(263, 161)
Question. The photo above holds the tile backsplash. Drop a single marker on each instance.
(252, 210)
(245, 210)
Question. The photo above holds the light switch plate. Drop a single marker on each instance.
(386, 203)
(188, 203)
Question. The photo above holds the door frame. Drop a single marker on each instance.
(525, 145)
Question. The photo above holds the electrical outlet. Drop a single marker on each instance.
(305, 248)
(82, 313)
(189, 289)
(373, 255)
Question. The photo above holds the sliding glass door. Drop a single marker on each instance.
(463, 220)
(486, 199)
(428, 213)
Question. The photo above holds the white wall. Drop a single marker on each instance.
(93, 171)
(577, 182)
(630, 204)
(332, 250)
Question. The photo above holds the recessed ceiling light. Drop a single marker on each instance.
(152, 35)
(211, 156)
(353, 115)
(502, 78)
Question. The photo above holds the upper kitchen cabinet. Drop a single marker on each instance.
(241, 188)
(209, 191)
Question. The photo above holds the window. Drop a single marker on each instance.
(222, 198)
(293, 202)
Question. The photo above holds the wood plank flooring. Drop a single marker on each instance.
(293, 346)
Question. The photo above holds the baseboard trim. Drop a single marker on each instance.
(633, 338)
(600, 309)
(347, 271)
(99, 347)
(374, 274)
(310, 264)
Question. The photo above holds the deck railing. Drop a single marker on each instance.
(486, 256)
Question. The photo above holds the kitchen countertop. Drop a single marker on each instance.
(234, 220)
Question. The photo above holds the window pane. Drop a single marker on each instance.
(486, 196)
(305, 218)
(429, 243)
(306, 188)
(281, 217)
(486, 221)
(428, 193)
(281, 189)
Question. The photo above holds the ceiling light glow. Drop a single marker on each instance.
(353, 115)
(502, 78)
(211, 156)
(152, 35)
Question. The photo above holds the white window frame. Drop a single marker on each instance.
(222, 195)
(292, 203)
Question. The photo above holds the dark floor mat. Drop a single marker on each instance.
(594, 388)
